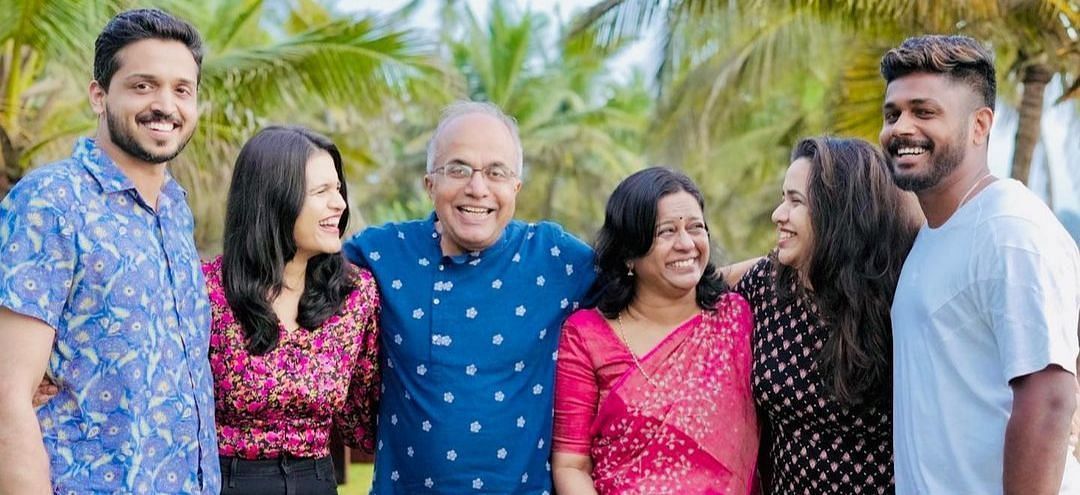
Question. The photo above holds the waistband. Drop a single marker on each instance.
(271, 467)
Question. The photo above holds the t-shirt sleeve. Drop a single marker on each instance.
(38, 248)
(576, 393)
(1027, 286)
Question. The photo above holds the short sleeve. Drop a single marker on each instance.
(580, 264)
(576, 393)
(752, 285)
(37, 245)
(1027, 285)
(353, 251)
(356, 421)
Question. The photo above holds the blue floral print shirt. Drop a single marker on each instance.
(469, 345)
(121, 284)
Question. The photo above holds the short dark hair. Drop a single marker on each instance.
(961, 58)
(136, 25)
(265, 197)
(863, 229)
(628, 233)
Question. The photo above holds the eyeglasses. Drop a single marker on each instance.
(459, 172)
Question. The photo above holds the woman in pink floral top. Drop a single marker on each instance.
(293, 339)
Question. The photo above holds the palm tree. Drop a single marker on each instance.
(44, 47)
(1035, 40)
(580, 128)
(727, 65)
(265, 61)
(736, 90)
(298, 63)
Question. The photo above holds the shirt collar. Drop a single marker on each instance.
(108, 175)
(467, 256)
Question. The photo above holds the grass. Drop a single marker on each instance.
(358, 480)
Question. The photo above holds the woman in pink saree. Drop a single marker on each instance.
(652, 387)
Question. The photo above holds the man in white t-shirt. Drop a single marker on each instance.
(985, 312)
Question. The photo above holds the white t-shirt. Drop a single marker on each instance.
(989, 296)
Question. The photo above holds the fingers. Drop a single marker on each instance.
(44, 392)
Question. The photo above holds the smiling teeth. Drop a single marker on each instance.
(910, 151)
(786, 235)
(160, 126)
(475, 211)
(683, 263)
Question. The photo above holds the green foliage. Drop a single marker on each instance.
(293, 62)
(581, 130)
(741, 81)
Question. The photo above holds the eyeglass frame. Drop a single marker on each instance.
(511, 174)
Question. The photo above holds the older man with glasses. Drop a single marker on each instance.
(472, 302)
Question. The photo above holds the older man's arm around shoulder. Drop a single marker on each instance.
(25, 344)
(1038, 431)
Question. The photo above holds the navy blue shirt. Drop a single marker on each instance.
(469, 344)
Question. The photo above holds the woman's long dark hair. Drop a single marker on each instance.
(628, 233)
(267, 192)
(863, 227)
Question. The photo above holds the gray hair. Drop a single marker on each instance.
(465, 107)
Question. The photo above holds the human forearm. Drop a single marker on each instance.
(1038, 432)
(24, 466)
(572, 474)
(25, 344)
(735, 271)
(573, 481)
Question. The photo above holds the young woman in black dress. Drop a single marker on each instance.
(822, 340)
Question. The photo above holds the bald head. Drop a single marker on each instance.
(472, 112)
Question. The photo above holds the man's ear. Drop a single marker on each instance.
(982, 122)
(97, 94)
(429, 186)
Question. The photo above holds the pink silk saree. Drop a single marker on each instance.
(695, 431)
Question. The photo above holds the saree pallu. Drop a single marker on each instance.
(692, 429)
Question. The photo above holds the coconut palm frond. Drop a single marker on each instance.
(856, 97)
(345, 62)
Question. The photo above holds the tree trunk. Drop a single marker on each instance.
(9, 161)
(1049, 183)
(1036, 77)
(549, 196)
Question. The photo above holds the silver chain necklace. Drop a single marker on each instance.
(622, 336)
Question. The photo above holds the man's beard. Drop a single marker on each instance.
(123, 137)
(942, 163)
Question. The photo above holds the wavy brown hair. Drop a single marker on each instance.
(863, 229)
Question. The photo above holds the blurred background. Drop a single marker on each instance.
(600, 88)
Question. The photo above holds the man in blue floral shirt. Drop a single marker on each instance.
(100, 289)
